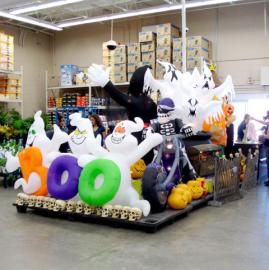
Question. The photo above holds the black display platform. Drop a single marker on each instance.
(151, 224)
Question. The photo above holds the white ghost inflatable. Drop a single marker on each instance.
(36, 138)
(123, 149)
(194, 95)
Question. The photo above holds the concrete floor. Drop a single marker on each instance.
(235, 236)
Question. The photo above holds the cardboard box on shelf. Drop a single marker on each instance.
(193, 62)
(68, 73)
(118, 77)
(177, 43)
(134, 58)
(120, 49)
(197, 52)
(177, 55)
(146, 36)
(118, 68)
(159, 71)
(168, 29)
(148, 57)
(131, 67)
(166, 40)
(164, 53)
(133, 48)
(148, 46)
(118, 59)
(198, 41)
(178, 64)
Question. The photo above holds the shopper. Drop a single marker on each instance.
(98, 127)
(265, 143)
(137, 103)
(242, 129)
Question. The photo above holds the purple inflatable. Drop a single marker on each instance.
(69, 189)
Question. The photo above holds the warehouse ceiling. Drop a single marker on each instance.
(84, 10)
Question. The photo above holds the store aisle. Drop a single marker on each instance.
(235, 236)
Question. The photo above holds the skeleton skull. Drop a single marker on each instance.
(39, 201)
(88, 210)
(46, 202)
(70, 206)
(25, 198)
(116, 210)
(19, 199)
(51, 203)
(32, 201)
(135, 214)
(79, 207)
(98, 210)
(107, 210)
(59, 205)
(125, 212)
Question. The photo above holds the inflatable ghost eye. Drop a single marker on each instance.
(193, 102)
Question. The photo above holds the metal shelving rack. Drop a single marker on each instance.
(78, 87)
(20, 100)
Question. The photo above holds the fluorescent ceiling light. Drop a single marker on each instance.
(140, 12)
(44, 6)
(30, 21)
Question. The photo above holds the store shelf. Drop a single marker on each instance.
(82, 86)
(10, 72)
(11, 100)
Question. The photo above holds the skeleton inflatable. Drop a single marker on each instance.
(123, 150)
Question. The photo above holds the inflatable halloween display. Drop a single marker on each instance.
(34, 159)
(194, 95)
(122, 151)
(172, 164)
(137, 103)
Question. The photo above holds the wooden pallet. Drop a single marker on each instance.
(151, 224)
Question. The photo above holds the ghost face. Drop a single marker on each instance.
(121, 141)
(32, 133)
(79, 136)
(193, 102)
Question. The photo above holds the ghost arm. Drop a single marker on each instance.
(225, 89)
(144, 147)
(12, 163)
(120, 97)
(59, 137)
(95, 147)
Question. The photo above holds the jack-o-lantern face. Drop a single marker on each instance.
(228, 109)
(138, 169)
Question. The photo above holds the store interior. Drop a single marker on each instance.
(134, 134)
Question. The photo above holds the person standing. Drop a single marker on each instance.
(242, 129)
(98, 127)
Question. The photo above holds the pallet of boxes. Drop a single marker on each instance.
(10, 85)
(133, 58)
(147, 42)
(198, 49)
(116, 59)
(165, 34)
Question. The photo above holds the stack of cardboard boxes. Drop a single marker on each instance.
(10, 87)
(6, 52)
(147, 42)
(117, 61)
(198, 47)
(133, 58)
(165, 34)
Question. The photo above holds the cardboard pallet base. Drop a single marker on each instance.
(151, 224)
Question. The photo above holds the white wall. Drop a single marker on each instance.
(35, 55)
(240, 47)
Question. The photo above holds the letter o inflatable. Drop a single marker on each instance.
(69, 189)
(110, 186)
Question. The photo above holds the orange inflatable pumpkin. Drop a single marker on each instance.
(177, 200)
